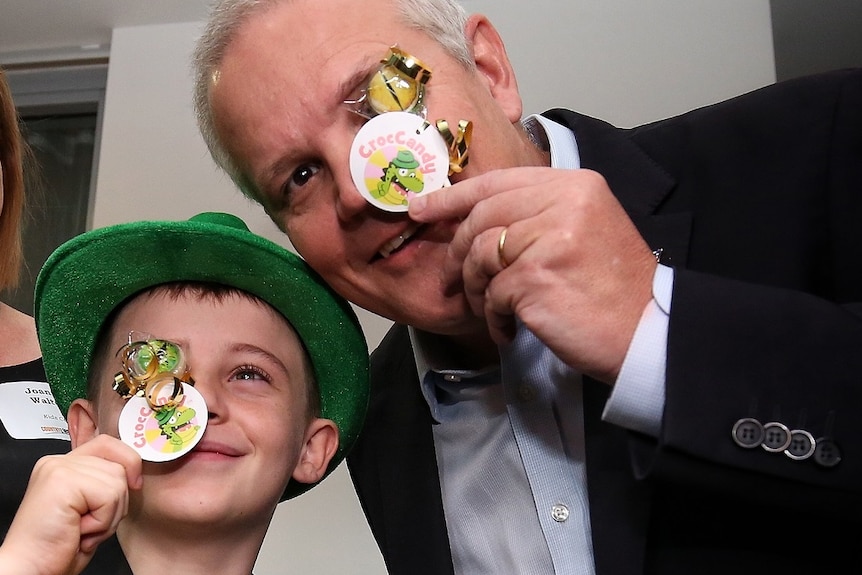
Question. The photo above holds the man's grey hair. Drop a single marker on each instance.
(443, 20)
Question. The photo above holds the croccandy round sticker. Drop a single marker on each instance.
(167, 433)
(397, 156)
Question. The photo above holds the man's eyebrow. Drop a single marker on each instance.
(343, 90)
(279, 166)
(361, 75)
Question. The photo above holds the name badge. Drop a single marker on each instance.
(28, 410)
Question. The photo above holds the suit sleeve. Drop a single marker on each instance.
(765, 323)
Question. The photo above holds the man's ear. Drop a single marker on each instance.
(492, 61)
(82, 422)
(321, 442)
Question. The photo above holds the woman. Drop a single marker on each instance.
(22, 437)
(28, 430)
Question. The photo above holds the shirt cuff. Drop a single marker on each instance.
(637, 400)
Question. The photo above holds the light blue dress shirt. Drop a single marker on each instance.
(509, 439)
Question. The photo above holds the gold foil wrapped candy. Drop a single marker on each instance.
(154, 369)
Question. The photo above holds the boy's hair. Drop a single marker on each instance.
(104, 357)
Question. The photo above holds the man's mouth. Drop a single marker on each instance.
(397, 243)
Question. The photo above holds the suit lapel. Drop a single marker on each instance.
(641, 185)
(637, 180)
(403, 501)
(616, 498)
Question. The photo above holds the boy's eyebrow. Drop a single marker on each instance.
(255, 350)
(241, 347)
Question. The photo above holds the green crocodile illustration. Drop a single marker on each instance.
(399, 178)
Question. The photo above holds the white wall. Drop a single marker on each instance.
(627, 61)
(633, 61)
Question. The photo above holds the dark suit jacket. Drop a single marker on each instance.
(757, 203)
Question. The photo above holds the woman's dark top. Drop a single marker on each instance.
(17, 458)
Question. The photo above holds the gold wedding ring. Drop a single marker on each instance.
(501, 244)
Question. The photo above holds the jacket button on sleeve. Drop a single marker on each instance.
(827, 453)
(801, 446)
(747, 432)
(776, 437)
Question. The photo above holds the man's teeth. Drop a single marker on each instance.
(394, 244)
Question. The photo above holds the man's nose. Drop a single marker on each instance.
(349, 203)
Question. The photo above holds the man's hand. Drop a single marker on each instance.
(573, 267)
(73, 502)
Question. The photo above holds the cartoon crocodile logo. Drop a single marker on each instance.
(175, 424)
(400, 179)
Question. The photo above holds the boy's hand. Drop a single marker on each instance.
(73, 502)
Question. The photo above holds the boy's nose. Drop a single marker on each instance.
(211, 396)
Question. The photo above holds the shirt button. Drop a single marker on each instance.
(559, 512)
(526, 393)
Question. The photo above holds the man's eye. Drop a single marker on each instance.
(302, 175)
(294, 184)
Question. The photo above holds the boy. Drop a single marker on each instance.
(153, 318)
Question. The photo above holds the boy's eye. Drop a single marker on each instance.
(250, 373)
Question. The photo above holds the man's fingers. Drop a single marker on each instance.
(457, 200)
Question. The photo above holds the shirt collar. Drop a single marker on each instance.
(431, 355)
(555, 138)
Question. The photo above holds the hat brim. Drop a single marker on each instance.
(89, 276)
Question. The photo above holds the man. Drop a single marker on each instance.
(561, 403)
